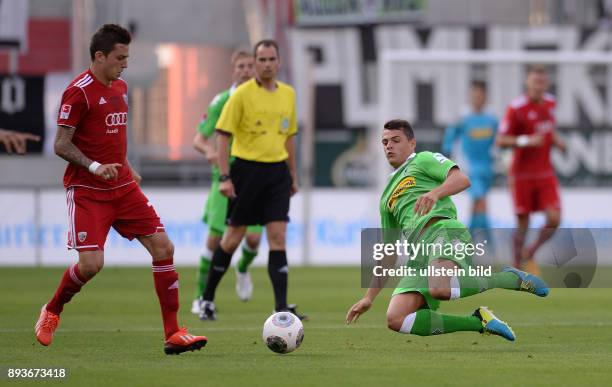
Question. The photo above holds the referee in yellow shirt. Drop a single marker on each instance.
(260, 118)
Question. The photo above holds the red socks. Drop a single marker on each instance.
(71, 284)
(166, 286)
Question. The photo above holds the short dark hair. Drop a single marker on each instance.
(479, 85)
(106, 37)
(402, 125)
(266, 43)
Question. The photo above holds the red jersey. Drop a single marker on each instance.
(99, 115)
(526, 117)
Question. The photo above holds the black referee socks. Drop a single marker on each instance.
(218, 266)
(278, 272)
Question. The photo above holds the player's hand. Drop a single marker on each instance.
(212, 157)
(108, 171)
(560, 143)
(294, 188)
(227, 189)
(357, 310)
(16, 141)
(136, 176)
(425, 203)
(536, 140)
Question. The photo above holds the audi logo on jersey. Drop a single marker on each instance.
(116, 119)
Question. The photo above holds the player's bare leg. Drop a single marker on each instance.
(400, 306)
(166, 280)
(553, 219)
(518, 239)
(75, 277)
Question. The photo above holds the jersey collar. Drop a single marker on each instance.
(408, 160)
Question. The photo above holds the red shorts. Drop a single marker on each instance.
(533, 195)
(92, 212)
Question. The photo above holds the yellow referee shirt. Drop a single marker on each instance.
(260, 121)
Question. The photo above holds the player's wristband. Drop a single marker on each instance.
(93, 166)
(224, 177)
(522, 140)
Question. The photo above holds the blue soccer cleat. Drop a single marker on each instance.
(530, 282)
(492, 325)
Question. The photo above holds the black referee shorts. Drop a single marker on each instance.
(262, 190)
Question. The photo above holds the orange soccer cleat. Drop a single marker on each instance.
(45, 326)
(182, 341)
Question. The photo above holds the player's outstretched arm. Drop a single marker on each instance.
(377, 283)
(524, 140)
(456, 181)
(65, 149)
(362, 305)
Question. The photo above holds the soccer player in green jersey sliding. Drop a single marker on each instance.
(417, 201)
(215, 210)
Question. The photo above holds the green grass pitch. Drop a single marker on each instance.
(111, 335)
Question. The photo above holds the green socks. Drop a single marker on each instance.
(466, 286)
(426, 322)
(203, 271)
(246, 259)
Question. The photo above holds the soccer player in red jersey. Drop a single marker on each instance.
(102, 189)
(529, 127)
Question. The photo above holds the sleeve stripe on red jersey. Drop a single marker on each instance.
(519, 101)
(86, 80)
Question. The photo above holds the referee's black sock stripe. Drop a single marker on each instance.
(279, 274)
(218, 266)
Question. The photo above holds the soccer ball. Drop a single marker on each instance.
(283, 332)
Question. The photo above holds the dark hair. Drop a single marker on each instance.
(479, 85)
(106, 37)
(266, 43)
(402, 125)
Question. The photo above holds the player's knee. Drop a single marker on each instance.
(90, 268)
(553, 220)
(440, 293)
(252, 241)
(213, 242)
(163, 249)
(229, 245)
(276, 240)
(394, 322)
(167, 249)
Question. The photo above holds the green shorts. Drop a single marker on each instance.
(444, 232)
(215, 212)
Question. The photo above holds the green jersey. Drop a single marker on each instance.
(420, 173)
(207, 126)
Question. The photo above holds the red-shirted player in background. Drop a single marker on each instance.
(529, 127)
(102, 189)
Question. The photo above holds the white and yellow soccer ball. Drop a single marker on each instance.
(283, 332)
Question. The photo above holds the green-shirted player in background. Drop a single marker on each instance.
(216, 205)
(417, 201)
